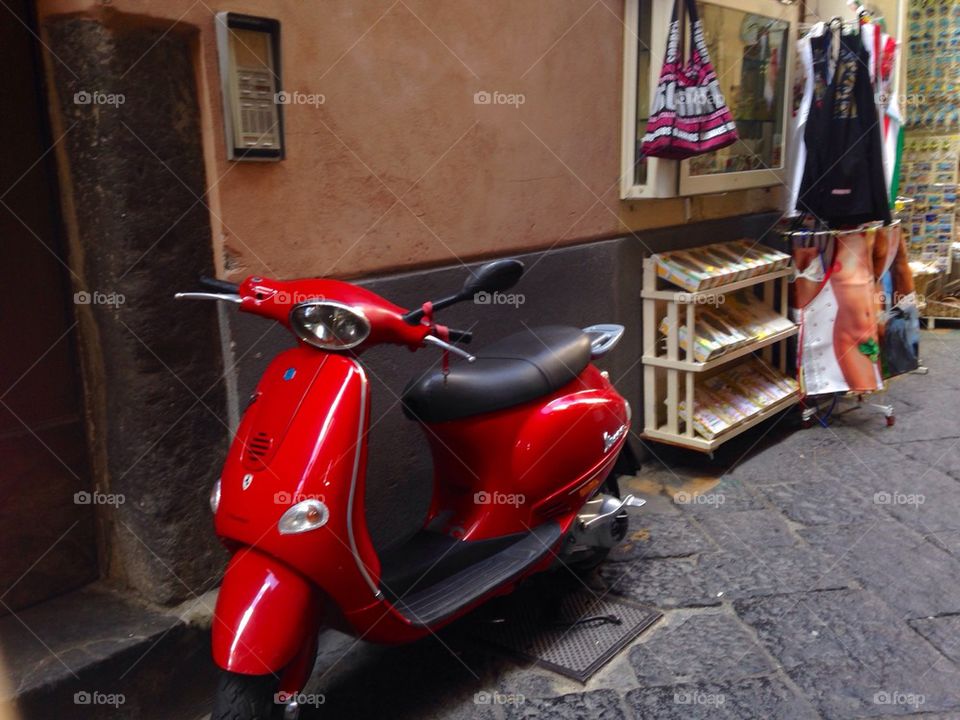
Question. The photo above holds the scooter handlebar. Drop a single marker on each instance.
(225, 291)
(459, 336)
(220, 285)
(444, 345)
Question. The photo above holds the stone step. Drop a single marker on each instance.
(94, 653)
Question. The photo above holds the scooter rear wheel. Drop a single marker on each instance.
(246, 697)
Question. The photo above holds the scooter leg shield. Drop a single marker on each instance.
(264, 612)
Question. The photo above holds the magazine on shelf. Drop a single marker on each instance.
(710, 266)
(734, 395)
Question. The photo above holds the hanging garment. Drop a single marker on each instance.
(797, 149)
(818, 71)
(899, 319)
(885, 248)
(886, 245)
(870, 35)
(843, 182)
(901, 347)
(901, 275)
(882, 49)
(835, 305)
(817, 368)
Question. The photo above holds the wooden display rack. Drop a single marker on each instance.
(666, 375)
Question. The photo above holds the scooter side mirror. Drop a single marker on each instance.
(495, 276)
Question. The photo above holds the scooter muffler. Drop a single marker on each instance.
(602, 523)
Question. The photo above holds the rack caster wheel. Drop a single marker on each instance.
(891, 420)
(806, 424)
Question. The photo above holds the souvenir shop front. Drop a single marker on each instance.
(848, 111)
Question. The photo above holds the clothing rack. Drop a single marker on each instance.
(829, 243)
(825, 233)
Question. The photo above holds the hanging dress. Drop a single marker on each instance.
(843, 180)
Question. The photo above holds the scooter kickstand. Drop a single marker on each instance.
(291, 710)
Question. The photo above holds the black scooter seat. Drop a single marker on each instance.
(514, 370)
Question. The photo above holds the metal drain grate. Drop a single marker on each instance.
(545, 636)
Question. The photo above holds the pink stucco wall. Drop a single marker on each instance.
(399, 167)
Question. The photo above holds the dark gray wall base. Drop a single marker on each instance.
(581, 285)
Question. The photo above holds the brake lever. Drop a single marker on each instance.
(443, 345)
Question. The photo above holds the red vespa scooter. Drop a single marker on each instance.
(523, 437)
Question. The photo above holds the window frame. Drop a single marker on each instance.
(662, 175)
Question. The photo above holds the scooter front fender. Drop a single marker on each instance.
(265, 614)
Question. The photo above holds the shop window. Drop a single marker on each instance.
(751, 44)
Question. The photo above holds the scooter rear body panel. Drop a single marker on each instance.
(512, 470)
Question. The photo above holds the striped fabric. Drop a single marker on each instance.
(688, 116)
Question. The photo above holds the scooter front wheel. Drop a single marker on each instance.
(246, 697)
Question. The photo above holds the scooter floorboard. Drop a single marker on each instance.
(431, 556)
(444, 598)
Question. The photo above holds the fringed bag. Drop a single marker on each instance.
(689, 116)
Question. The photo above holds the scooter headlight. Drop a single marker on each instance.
(215, 496)
(304, 516)
(329, 325)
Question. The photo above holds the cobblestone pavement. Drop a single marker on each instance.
(805, 574)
